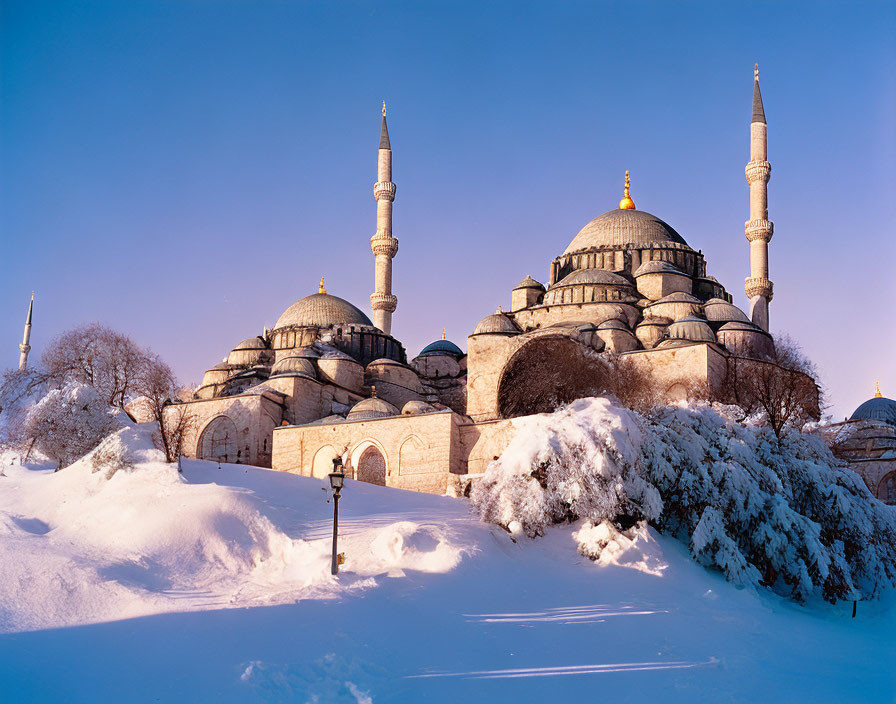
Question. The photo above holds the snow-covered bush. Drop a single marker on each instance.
(111, 455)
(69, 422)
(779, 512)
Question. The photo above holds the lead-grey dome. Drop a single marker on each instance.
(322, 310)
(600, 277)
(878, 408)
(620, 227)
(371, 408)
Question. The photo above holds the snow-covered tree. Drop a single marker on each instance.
(781, 512)
(69, 422)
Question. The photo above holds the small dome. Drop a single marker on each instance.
(741, 326)
(413, 408)
(678, 297)
(529, 282)
(613, 324)
(878, 408)
(593, 276)
(496, 323)
(322, 310)
(691, 328)
(623, 226)
(371, 408)
(252, 343)
(657, 266)
(294, 365)
(384, 362)
(441, 347)
(658, 321)
(718, 311)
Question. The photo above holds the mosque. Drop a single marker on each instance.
(327, 381)
(867, 442)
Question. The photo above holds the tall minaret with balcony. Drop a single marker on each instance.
(758, 228)
(383, 244)
(25, 347)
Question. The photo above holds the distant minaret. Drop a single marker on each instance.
(383, 244)
(25, 348)
(758, 228)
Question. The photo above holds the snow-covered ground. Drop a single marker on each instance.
(214, 586)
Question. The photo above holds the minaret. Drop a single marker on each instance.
(25, 348)
(383, 244)
(758, 228)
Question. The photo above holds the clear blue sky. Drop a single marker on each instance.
(183, 171)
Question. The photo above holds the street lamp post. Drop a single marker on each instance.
(337, 478)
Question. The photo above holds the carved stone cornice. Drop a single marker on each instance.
(382, 243)
(384, 190)
(383, 301)
(758, 286)
(758, 171)
(759, 230)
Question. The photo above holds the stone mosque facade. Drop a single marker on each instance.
(326, 381)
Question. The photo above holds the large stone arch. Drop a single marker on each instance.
(545, 373)
(220, 441)
(371, 467)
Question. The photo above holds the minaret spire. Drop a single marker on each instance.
(25, 347)
(758, 229)
(383, 244)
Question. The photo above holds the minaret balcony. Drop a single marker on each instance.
(383, 301)
(759, 230)
(758, 286)
(758, 171)
(384, 244)
(384, 190)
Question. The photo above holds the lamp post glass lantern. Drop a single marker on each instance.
(337, 480)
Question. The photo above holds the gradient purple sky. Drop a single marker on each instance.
(184, 171)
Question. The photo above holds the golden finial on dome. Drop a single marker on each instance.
(320, 288)
(373, 391)
(384, 107)
(878, 394)
(444, 331)
(756, 72)
(627, 203)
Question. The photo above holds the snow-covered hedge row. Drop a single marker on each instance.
(782, 513)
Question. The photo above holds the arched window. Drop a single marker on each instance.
(219, 441)
(372, 467)
(890, 492)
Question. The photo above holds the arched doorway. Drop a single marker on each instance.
(219, 441)
(372, 467)
(546, 373)
(886, 491)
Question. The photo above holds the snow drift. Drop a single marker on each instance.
(120, 533)
(782, 513)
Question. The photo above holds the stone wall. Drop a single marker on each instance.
(254, 417)
(420, 452)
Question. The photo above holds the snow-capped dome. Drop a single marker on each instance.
(371, 408)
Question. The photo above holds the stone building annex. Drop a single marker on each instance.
(328, 381)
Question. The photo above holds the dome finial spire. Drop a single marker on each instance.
(321, 288)
(444, 333)
(756, 71)
(384, 102)
(627, 203)
(877, 393)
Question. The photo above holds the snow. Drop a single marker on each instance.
(214, 585)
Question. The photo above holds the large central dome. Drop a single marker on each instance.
(621, 227)
(322, 310)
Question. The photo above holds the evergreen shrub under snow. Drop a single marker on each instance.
(781, 513)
